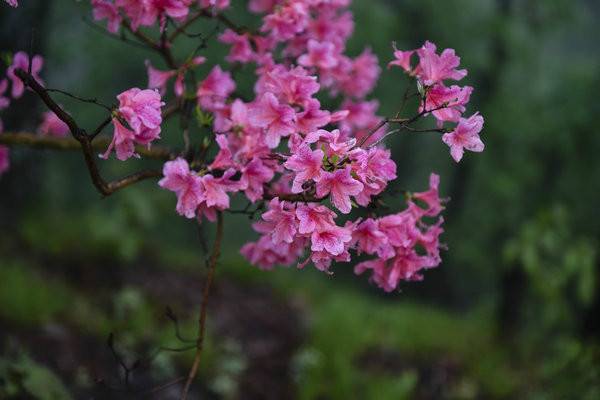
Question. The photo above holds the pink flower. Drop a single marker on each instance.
(21, 61)
(145, 13)
(223, 159)
(312, 118)
(216, 4)
(52, 125)
(312, 217)
(341, 185)
(286, 21)
(277, 119)
(465, 136)
(140, 109)
(320, 55)
(369, 238)
(185, 183)
(431, 198)
(307, 164)
(332, 239)
(361, 76)
(254, 175)
(448, 102)
(241, 50)
(214, 90)
(104, 9)
(158, 79)
(435, 68)
(215, 189)
(13, 3)
(261, 6)
(266, 254)
(402, 59)
(280, 222)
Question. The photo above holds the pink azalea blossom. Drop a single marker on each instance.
(254, 176)
(215, 189)
(402, 59)
(448, 103)
(307, 164)
(216, 4)
(52, 125)
(261, 6)
(21, 61)
(331, 239)
(12, 3)
(141, 110)
(320, 55)
(280, 222)
(465, 136)
(105, 9)
(241, 50)
(431, 198)
(313, 217)
(146, 13)
(341, 186)
(369, 239)
(286, 20)
(434, 68)
(312, 118)
(277, 119)
(158, 79)
(214, 89)
(185, 183)
(266, 254)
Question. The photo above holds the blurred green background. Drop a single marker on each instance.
(513, 311)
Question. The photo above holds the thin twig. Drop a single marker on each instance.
(104, 187)
(82, 99)
(216, 251)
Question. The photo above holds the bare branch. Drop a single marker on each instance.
(212, 265)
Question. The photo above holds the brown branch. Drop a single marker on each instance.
(212, 264)
(85, 141)
(35, 141)
(160, 47)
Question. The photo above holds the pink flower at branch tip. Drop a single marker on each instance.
(52, 125)
(434, 68)
(465, 136)
(214, 89)
(104, 9)
(140, 109)
(21, 61)
(185, 183)
(12, 3)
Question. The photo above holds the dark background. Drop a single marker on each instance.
(513, 311)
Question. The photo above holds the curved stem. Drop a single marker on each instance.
(212, 265)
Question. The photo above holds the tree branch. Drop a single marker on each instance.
(35, 141)
(85, 141)
(212, 264)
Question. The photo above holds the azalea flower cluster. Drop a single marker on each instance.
(13, 3)
(148, 12)
(447, 104)
(303, 166)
